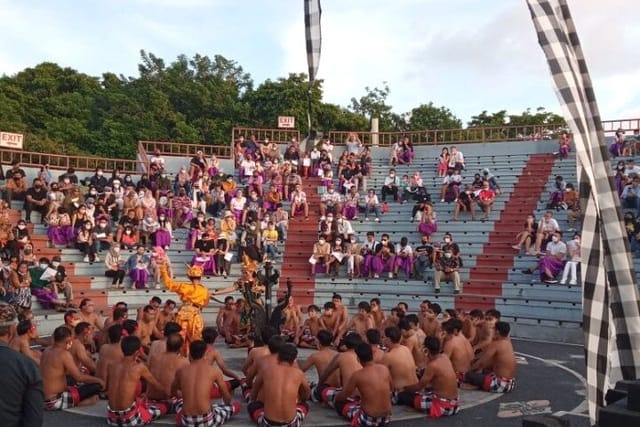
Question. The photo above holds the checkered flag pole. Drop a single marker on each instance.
(611, 307)
(313, 35)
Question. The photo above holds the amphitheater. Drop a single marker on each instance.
(492, 276)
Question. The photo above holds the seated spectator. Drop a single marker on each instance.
(98, 180)
(270, 241)
(128, 221)
(390, 186)
(42, 285)
(228, 228)
(137, 268)
(281, 218)
(385, 258)
(325, 174)
(163, 235)
(272, 199)
(572, 205)
(564, 145)
(336, 258)
(486, 199)
(205, 249)
(292, 181)
(632, 226)
(450, 186)
(423, 258)
(156, 162)
(114, 264)
(573, 260)
(527, 237)
(552, 263)
(631, 170)
(253, 211)
(556, 193)
(352, 204)
(16, 186)
(86, 243)
(407, 154)
(404, 258)
(59, 230)
(20, 282)
(148, 227)
(299, 202)
(371, 205)
(70, 176)
(443, 162)
(196, 228)
(223, 257)
(546, 228)
(36, 200)
(250, 249)
(60, 282)
(343, 227)
(493, 182)
(617, 147)
(326, 146)
(130, 237)
(456, 159)
(631, 195)
(247, 167)
(256, 183)
(395, 153)
(183, 209)
(352, 144)
(447, 267)
(292, 155)
(330, 202)
(354, 255)
(466, 203)
(197, 166)
(428, 224)
(102, 233)
(320, 254)
(328, 228)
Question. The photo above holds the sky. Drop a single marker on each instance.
(466, 55)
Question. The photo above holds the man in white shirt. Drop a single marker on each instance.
(631, 170)
(391, 183)
(330, 202)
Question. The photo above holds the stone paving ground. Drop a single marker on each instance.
(550, 380)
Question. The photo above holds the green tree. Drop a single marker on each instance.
(373, 104)
(428, 116)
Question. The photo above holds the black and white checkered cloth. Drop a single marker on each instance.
(611, 308)
(313, 35)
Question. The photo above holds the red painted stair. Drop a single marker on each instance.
(302, 235)
(485, 283)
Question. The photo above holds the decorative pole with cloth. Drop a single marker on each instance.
(313, 36)
(610, 302)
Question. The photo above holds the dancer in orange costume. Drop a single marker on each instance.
(194, 297)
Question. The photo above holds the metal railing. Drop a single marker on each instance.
(182, 149)
(63, 161)
(612, 126)
(274, 135)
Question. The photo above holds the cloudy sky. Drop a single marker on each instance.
(468, 55)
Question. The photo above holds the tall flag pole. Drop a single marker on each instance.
(313, 35)
(610, 301)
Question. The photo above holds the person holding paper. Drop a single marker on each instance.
(41, 277)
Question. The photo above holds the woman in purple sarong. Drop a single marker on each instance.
(205, 250)
(404, 258)
(196, 228)
(553, 261)
(163, 235)
(137, 267)
(60, 232)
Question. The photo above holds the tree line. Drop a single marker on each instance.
(194, 100)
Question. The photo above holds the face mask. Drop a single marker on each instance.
(321, 241)
(340, 220)
(329, 219)
(103, 224)
(22, 227)
(164, 175)
(141, 194)
(555, 238)
(447, 255)
(116, 250)
(44, 266)
(392, 175)
(88, 226)
(353, 240)
(66, 180)
(338, 242)
(162, 218)
(55, 264)
(331, 191)
(93, 192)
(128, 231)
(252, 228)
(447, 240)
(99, 173)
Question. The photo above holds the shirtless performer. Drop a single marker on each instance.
(209, 335)
(361, 321)
(110, 352)
(82, 339)
(373, 383)
(322, 358)
(437, 391)
(260, 348)
(226, 319)
(56, 363)
(329, 319)
(26, 331)
(264, 363)
(154, 302)
(118, 316)
(342, 316)
(410, 340)
(429, 319)
(165, 315)
(307, 334)
(287, 388)
(147, 327)
(292, 321)
(125, 407)
(160, 346)
(377, 314)
(498, 358)
(393, 319)
(345, 363)
(374, 339)
(164, 367)
(468, 328)
(399, 361)
(485, 327)
(457, 348)
(414, 322)
(87, 314)
(194, 382)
